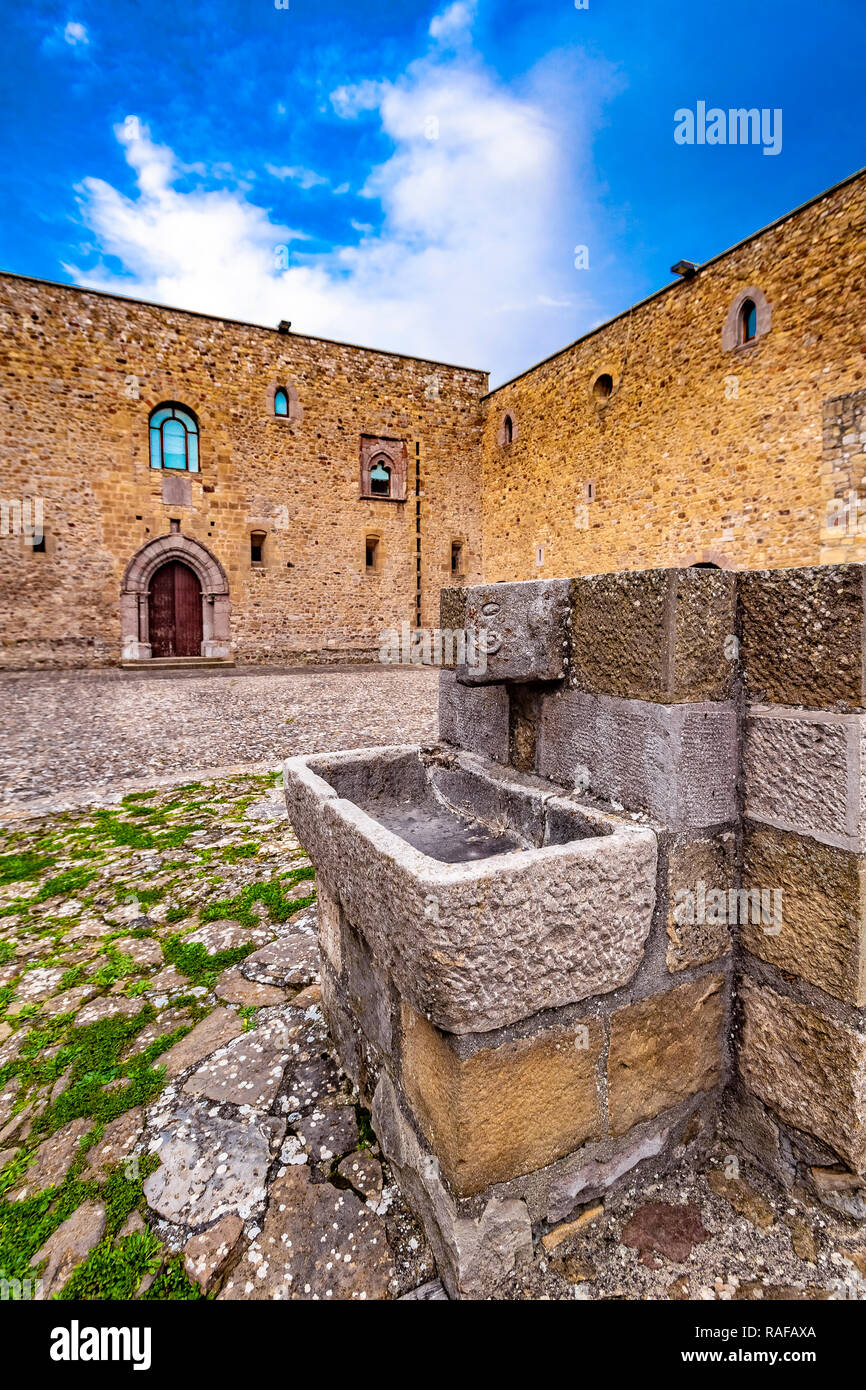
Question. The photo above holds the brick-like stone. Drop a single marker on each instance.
(808, 1068)
(657, 635)
(503, 1110)
(803, 636)
(690, 863)
(664, 1049)
(676, 762)
(521, 628)
(823, 910)
(803, 772)
(474, 717)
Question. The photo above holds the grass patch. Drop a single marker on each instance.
(15, 867)
(272, 893)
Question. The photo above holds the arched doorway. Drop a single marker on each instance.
(174, 601)
(174, 611)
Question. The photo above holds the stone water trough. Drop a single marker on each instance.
(464, 908)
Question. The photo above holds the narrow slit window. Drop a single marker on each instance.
(257, 548)
(456, 557)
(508, 430)
(748, 321)
(372, 552)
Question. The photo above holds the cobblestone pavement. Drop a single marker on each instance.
(75, 738)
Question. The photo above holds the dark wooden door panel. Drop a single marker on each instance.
(187, 612)
(175, 611)
(161, 616)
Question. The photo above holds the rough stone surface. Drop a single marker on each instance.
(477, 945)
(69, 1245)
(206, 1255)
(808, 1068)
(249, 1070)
(521, 628)
(209, 1167)
(583, 1178)
(54, 1158)
(474, 717)
(663, 1049)
(364, 1172)
(654, 635)
(659, 1228)
(212, 1032)
(823, 890)
(118, 1141)
(676, 762)
(328, 1131)
(691, 862)
(803, 636)
(473, 1255)
(292, 960)
(505, 1110)
(802, 772)
(234, 988)
(316, 1242)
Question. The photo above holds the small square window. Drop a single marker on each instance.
(38, 545)
(257, 548)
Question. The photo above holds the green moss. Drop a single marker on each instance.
(115, 1271)
(14, 867)
(191, 958)
(272, 893)
(233, 853)
(64, 885)
(172, 1284)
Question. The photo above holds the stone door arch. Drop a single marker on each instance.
(135, 595)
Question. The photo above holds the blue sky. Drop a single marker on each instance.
(411, 176)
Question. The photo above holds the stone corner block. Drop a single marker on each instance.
(473, 1255)
(808, 1068)
(520, 631)
(664, 1049)
(803, 636)
(504, 1110)
(664, 635)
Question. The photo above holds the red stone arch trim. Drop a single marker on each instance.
(135, 592)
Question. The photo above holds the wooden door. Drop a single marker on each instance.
(175, 611)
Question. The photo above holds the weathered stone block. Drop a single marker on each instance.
(330, 929)
(803, 636)
(476, 943)
(695, 933)
(677, 762)
(473, 1254)
(474, 717)
(505, 1110)
(660, 635)
(823, 910)
(368, 992)
(523, 628)
(664, 1049)
(452, 610)
(810, 1069)
(802, 772)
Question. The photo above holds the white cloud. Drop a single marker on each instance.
(470, 261)
(75, 33)
(307, 178)
(455, 22)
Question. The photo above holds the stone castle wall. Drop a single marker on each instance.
(82, 371)
(704, 450)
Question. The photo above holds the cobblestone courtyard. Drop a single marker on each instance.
(173, 1123)
(70, 738)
